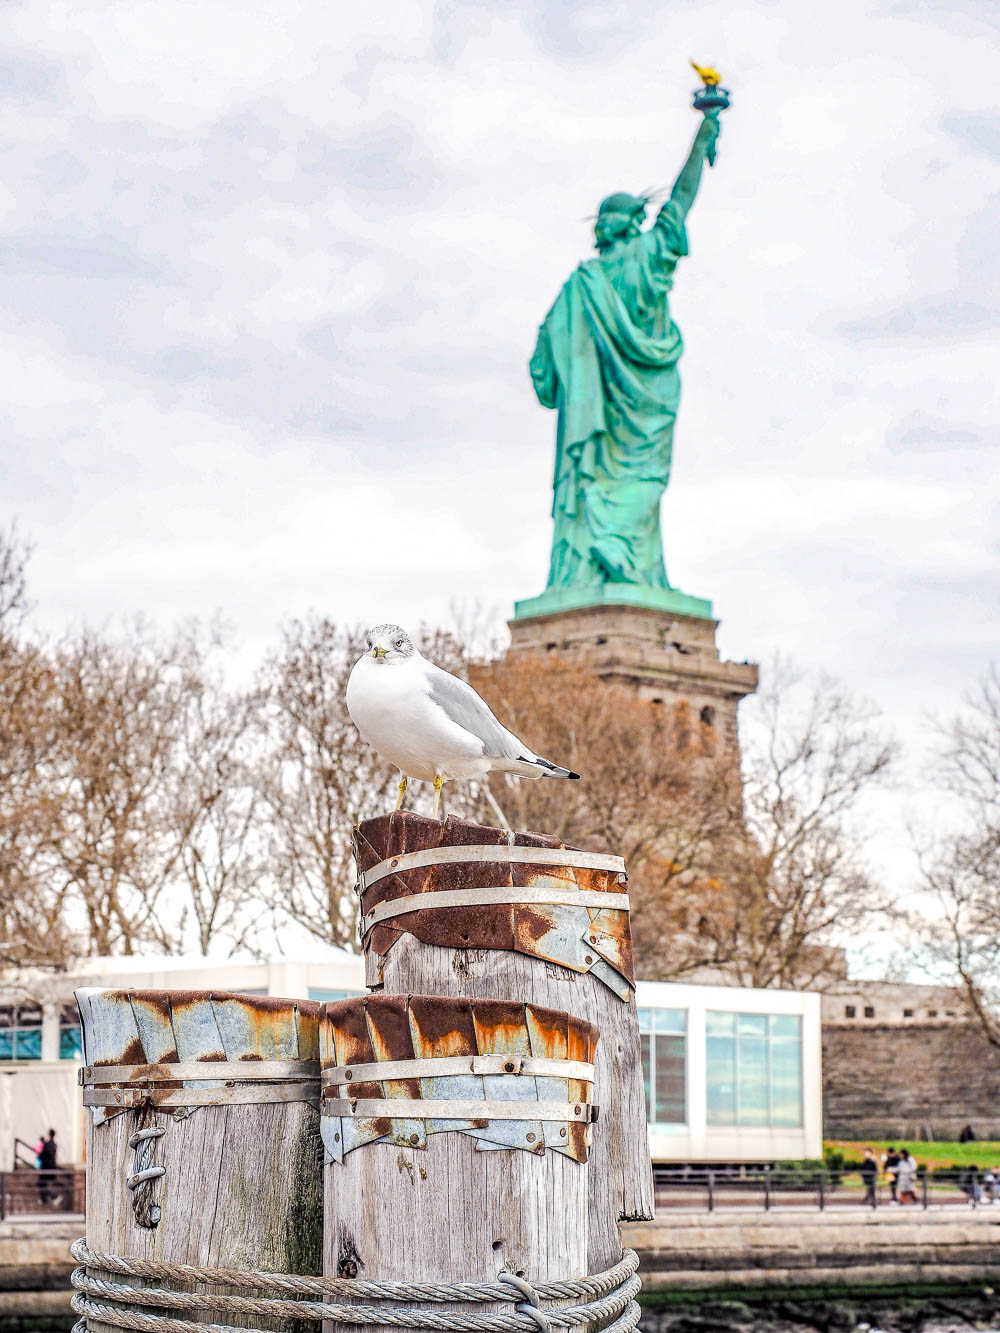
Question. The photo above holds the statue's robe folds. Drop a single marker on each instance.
(606, 358)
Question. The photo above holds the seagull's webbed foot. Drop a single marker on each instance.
(438, 784)
(402, 792)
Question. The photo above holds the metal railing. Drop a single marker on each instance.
(28, 1190)
(765, 1187)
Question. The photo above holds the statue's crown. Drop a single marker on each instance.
(622, 202)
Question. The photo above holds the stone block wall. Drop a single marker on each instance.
(893, 1081)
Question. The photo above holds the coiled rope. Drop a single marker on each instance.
(611, 1297)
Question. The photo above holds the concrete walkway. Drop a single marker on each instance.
(845, 1247)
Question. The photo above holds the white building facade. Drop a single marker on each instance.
(731, 1074)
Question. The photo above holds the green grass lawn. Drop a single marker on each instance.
(982, 1152)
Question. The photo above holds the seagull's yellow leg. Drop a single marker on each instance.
(438, 783)
(402, 792)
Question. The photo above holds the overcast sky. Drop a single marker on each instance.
(270, 276)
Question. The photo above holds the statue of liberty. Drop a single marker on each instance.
(606, 360)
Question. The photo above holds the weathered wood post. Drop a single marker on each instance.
(463, 910)
(202, 1134)
(458, 1135)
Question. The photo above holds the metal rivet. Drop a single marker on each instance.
(593, 939)
(336, 1137)
(531, 1138)
(348, 1075)
(562, 1133)
(414, 1139)
(508, 1067)
(393, 864)
(588, 959)
(576, 1110)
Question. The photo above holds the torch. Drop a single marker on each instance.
(711, 98)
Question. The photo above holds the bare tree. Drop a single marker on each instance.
(794, 865)
(32, 927)
(962, 868)
(213, 812)
(756, 885)
(121, 707)
(317, 778)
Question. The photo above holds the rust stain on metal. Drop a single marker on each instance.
(501, 1028)
(442, 1026)
(397, 1027)
(161, 1028)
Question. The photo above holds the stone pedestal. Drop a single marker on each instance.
(665, 657)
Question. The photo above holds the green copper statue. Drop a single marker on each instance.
(606, 360)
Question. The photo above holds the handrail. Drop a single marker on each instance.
(31, 1149)
(765, 1186)
(60, 1189)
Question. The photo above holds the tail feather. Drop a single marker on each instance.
(549, 769)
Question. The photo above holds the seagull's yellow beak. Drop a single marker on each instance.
(378, 652)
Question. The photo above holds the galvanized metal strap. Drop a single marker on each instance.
(257, 1071)
(441, 1066)
(595, 899)
(536, 856)
(241, 1095)
(440, 1108)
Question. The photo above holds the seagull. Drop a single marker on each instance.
(432, 726)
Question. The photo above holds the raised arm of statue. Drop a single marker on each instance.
(686, 184)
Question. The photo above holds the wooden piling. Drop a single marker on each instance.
(483, 1169)
(226, 1089)
(564, 955)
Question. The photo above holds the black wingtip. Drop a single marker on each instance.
(574, 775)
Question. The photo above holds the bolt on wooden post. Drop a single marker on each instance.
(202, 1130)
(458, 910)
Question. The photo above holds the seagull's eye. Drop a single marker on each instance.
(399, 643)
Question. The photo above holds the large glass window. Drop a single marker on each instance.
(20, 1033)
(663, 1036)
(754, 1069)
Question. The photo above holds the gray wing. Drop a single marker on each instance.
(464, 706)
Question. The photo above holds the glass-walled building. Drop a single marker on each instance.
(731, 1074)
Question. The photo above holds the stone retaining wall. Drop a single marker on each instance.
(891, 1081)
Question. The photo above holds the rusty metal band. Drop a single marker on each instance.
(262, 1071)
(439, 1108)
(254, 1070)
(445, 1065)
(532, 893)
(534, 856)
(245, 1095)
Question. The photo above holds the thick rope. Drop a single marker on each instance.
(528, 1317)
(593, 1285)
(147, 1323)
(199, 1302)
(144, 1174)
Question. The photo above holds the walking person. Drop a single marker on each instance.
(890, 1163)
(47, 1161)
(906, 1177)
(970, 1185)
(869, 1176)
